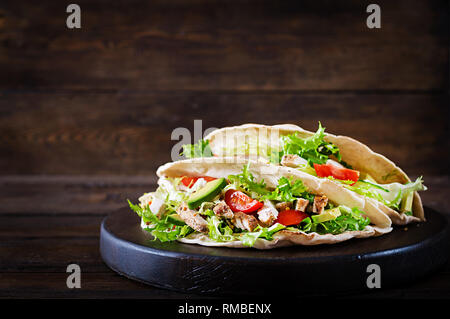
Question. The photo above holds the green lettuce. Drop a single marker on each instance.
(219, 230)
(246, 182)
(160, 229)
(314, 149)
(392, 195)
(288, 191)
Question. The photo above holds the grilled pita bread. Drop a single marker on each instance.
(223, 166)
(355, 153)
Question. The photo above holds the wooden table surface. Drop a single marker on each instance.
(86, 115)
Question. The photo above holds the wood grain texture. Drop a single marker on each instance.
(114, 134)
(94, 285)
(225, 45)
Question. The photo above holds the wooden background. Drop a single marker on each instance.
(86, 115)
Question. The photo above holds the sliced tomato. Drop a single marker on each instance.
(291, 217)
(190, 181)
(344, 174)
(240, 202)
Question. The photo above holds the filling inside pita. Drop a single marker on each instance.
(241, 208)
(317, 157)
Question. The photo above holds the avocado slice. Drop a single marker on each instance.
(175, 219)
(327, 215)
(206, 193)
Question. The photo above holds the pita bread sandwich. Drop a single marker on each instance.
(343, 160)
(239, 202)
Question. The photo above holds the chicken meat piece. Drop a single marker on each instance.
(244, 221)
(292, 160)
(223, 210)
(319, 204)
(192, 218)
(301, 204)
(283, 206)
(268, 214)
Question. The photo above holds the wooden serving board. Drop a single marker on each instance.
(404, 255)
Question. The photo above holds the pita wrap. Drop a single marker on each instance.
(219, 167)
(353, 152)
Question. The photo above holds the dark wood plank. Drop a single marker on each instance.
(50, 254)
(37, 226)
(111, 285)
(93, 285)
(225, 45)
(106, 134)
(62, 195)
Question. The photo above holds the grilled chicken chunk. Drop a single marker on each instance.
(244, 221)
(301, 204)
(291, 160)
(192, 218)
(222, 210)
(268, 214)
(319, 204)
(283, 206)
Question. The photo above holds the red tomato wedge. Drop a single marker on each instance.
(190, 181)
(240, 202)
(344, 174)
(291, 217)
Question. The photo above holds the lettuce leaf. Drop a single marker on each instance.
(249, 238)
(246, 182)
(288, 191)
(160, 229)
(349, 220)
(219, 230)
(391, 195)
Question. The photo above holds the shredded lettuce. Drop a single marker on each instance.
(219, 230)
(349, 220)
(288, 191)
(161, 229)
(200, 149)
(392, 195)
(249, 238)
(314, 149)
(246, 182)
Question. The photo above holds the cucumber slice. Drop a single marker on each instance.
(206, 193)
(176, 220)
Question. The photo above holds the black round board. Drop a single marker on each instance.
(404, 255)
